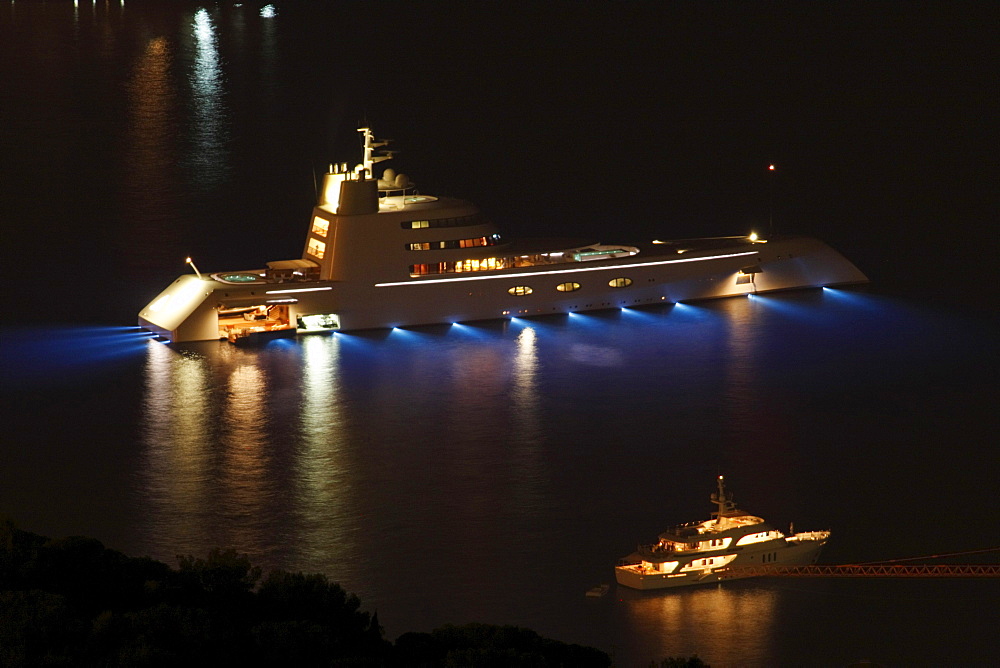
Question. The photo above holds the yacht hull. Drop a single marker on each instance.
(799, 553)
(191, 308)
(378, 254)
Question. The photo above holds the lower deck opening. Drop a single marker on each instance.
(246, 321)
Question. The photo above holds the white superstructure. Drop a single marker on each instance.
(715, 549)
(379, 254)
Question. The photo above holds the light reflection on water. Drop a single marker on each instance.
(495, 471)
(277, 451)
(150, 176)
(714, 621)
(246, 483)
(177, 475)
(210, 127)
(324, 493)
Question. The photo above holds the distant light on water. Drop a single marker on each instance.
(203, 27)
(268, 12)
(210, 113)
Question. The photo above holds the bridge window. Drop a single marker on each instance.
(320, 226)
(317, 248)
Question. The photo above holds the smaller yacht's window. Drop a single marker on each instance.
(416, 224)
(620, 282)
(520, 290)
(567, 287)
(320, 226)
(420, 246)
(317, 248)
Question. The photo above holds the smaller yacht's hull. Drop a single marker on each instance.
(689, 572)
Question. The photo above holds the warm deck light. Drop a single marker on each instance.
(753, 236)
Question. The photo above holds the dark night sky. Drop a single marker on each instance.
(576, 118)
(881, 117)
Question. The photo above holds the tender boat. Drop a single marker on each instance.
(598, 591)
(379, 254)
(716, 549)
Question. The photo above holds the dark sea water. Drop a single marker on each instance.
(495, 471)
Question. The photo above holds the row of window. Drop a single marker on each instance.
(464, 221)
(483, 264)
(492, 240)
(521, 290)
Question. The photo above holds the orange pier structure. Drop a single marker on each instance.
(880, 569)
(867, 571)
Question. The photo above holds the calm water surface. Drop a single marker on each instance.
(494, 472)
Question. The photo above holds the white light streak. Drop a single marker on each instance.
(283, 292)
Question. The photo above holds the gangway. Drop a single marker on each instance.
(892, 568)
(866, 571)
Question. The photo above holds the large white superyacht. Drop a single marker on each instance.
(716, 549)
(378, 254)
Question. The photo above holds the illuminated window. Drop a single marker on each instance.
(520, 290)
(491, 240)
(463, 221)
(320, 226)
(485, 264)
(317, 248)
(567, 287)
(620, 282)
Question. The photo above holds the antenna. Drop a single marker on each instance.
(770, 200)
(370, 144)
(191, 262)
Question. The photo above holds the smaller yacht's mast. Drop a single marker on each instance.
(724, 502)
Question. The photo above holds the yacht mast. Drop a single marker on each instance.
(370, 145)
(724, 502)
